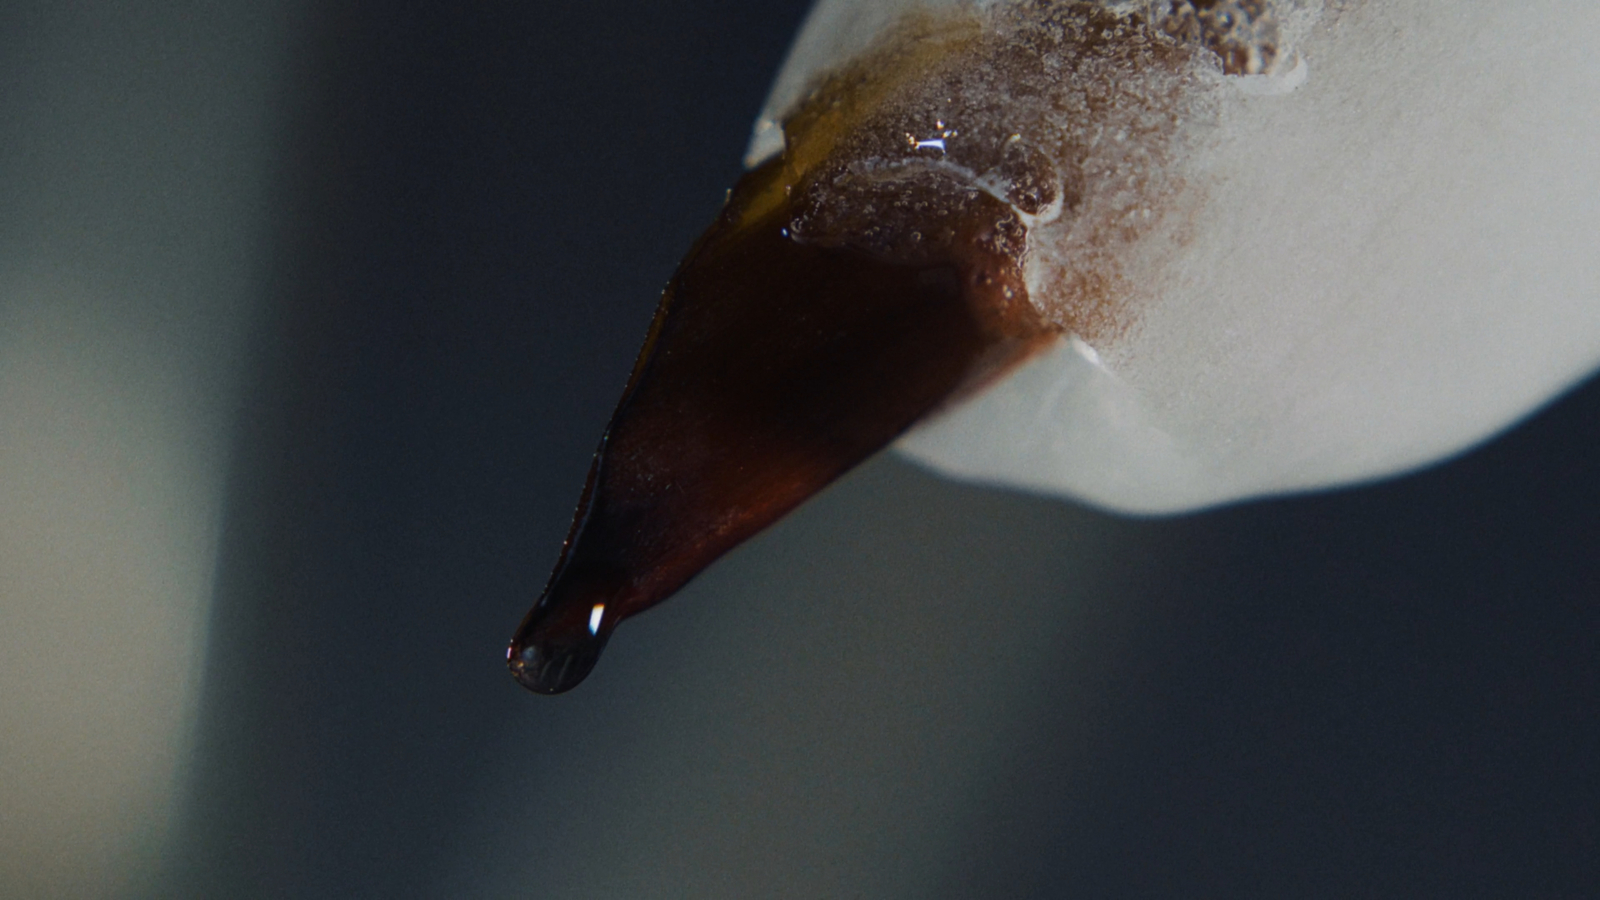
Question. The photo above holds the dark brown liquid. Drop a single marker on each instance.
(773, 366)
(859, 281)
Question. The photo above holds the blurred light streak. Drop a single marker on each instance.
(137, 145)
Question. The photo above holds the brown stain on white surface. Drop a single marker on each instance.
(1080, 116)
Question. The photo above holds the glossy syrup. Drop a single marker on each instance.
(774, 365)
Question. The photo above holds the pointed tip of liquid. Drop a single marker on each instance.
(558, 644)
(554, 664)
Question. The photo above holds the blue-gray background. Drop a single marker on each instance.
(912, 688)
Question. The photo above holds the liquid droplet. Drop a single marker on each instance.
(551, 661)
(561, 639)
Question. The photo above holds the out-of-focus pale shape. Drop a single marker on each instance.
(135, 147)
(1381, 255)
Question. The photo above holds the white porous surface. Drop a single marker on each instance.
(1386, 253)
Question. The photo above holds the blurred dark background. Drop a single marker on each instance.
(912, 688)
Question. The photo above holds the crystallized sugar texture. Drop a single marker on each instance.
(1258, 289)
(1074, 116)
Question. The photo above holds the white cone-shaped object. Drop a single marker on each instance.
(1379, 250)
